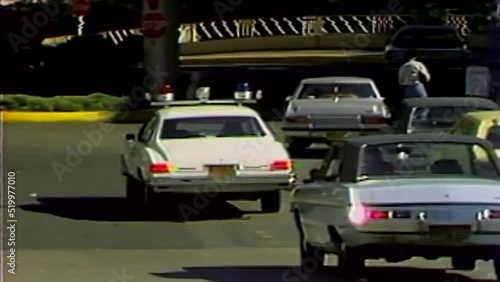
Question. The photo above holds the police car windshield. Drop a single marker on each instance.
(216, 126)
(426, 159)
(494, 136)
(431, 118)
(330, 90)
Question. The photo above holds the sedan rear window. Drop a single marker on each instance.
(426, 159)
(428, 38)
(216, 126)
(327, 91)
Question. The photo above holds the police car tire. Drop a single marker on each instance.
(461, 263)
(496, 266)
(134, 191)
(271, 201)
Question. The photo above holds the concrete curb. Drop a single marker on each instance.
(55, 116)
(285, 57)
(351, 41)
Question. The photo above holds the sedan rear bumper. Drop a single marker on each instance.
(228, 185)
(482, 232)
(324, 133)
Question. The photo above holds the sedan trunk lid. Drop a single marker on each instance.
(427, 191)
(194, 153)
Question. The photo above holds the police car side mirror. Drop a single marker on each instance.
(130, 137)
(288, 98)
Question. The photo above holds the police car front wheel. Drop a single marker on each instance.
(270, 202)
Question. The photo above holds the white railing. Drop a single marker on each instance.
(301, 26)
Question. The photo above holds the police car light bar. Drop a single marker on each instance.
(203, 97)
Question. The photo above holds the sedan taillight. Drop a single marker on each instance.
(161, 168)
(281, 165)
(297, 119)
(491, 214)
(374, 120)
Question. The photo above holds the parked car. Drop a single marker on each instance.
(440, 45)
(327, 108)
(419, 115)
(395, 197)
(484, 124)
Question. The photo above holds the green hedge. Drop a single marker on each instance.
(93, 102)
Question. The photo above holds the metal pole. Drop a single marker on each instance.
(81, 23)
(172, 62)
(161, 52)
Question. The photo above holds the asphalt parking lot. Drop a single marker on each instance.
(74, 226)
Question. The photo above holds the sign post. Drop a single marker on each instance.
(81, 9)
(160, 28)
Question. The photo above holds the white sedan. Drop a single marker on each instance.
(207, 146)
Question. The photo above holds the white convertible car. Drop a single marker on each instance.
(207, 146)
(395, 197)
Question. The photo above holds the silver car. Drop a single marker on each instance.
(395, 197)
(326, 108)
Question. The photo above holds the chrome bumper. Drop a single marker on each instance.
(229, 185)
(324, 133)
(481, 231)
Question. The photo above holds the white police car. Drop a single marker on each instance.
(216, 146)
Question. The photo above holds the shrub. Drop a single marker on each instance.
(93, 102)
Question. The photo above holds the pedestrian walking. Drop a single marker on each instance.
(411, 75)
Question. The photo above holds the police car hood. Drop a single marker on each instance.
(338, 107)
(196, 152)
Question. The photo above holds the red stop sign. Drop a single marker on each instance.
(81, 7)
(154, 25)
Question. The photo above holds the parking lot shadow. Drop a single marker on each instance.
(295, 274)
(118, 209)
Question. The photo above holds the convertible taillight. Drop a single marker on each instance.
(491, 214)
(361, 214)
(375, 214)
(161, 168)
(281, 165)
(373, 120)
(297, 119)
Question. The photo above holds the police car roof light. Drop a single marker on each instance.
(243, 95)
(243, 87)
(164, 89)
(203, 93)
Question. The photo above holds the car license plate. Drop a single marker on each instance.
(450, 231)
(221, 171)
(336, 135)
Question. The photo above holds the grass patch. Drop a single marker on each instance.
(92, 102)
